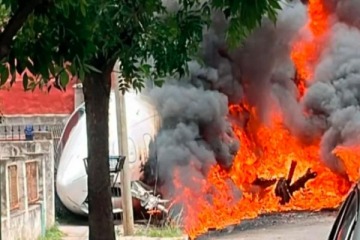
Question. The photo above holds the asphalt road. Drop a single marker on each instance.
(293, 226)
(281, 226)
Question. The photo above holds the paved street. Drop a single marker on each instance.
(294, 226)
(318, 231)
(309, 226)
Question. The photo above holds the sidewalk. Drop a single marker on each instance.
(78, 232)
(72, 232)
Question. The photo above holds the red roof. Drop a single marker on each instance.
(15, 101)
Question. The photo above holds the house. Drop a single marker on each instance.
(27, 168)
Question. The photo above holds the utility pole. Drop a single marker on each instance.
(126, 196)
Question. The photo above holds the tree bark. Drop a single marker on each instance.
(96, 89)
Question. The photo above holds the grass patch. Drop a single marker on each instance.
(170, 227)
(52, 234)
(166, 231)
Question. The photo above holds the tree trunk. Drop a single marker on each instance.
(96, 89)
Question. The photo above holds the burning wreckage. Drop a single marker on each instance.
(271, 126)
(71, 178)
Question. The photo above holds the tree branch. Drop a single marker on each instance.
(14, 25)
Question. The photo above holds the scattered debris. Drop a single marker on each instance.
(284, 187)
(285, 190)
(152, 203)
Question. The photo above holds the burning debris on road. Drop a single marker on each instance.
(231, 130)
(284, 188)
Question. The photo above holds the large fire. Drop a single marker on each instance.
(265, 156)
(307, 51)
(269, 158)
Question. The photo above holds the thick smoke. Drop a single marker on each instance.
(332, 100)
(335, 92)
(196, 132)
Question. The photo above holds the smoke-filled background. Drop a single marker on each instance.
(196, 130)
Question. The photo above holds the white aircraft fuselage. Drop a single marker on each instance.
(71, 178)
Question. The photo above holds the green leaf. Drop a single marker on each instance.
(52, 69)
(145, 68)
(81, 75)
(64, 78)
(30, 67)
(4, 74)
(25, 82)
(72, 69)
(20, 67)
(275, 4)
(66, 9)
(32, 85)
(82, 9)
(159, 82)
(92, 68)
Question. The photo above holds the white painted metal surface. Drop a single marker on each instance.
(71, 180)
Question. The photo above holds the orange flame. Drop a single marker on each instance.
(266, 152)
(306, 52)
(350, 156)
(214, 205)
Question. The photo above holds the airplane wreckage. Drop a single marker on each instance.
(71, 178)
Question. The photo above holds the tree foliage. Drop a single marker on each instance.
(245, 15)
(136, 32)
(79, 32)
